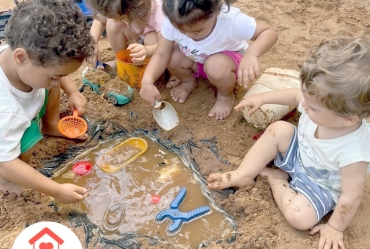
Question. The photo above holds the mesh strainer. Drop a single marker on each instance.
(72, 126)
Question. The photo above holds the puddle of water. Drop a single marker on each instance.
(131, 198)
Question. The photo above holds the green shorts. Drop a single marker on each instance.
(32, 134)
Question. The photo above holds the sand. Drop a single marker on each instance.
(301, 25)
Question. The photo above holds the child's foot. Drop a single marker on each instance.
(222, 107)
(52, 130)
(181, 92)
(228, 179)
(173, 82)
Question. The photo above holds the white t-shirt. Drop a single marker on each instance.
(231, 32)
(322, 159)
(17, 109)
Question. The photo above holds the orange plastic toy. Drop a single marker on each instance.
(72, 126)
(128, 71)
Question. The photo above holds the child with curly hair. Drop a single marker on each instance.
(322, 164)
(211, 41)
(47, 40)
(130, 24)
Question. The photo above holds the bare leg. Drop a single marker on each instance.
(220, 70)
(51, 118)
(275, 139)
(295, 207)
(183, 68)
(120, 36)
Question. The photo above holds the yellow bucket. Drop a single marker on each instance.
(121, 155)
(129, 72)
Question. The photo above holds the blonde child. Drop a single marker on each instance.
(211, 41)
(325, 159)
(47, 40)
(127, 22)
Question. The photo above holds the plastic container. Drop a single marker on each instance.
(129, 72)
(165, 115)
(272, 79)
(121, 155)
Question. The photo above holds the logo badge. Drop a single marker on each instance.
(47, 235)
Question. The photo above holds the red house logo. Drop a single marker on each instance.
(46, 245)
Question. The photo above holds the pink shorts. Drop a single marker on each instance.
(235, 56)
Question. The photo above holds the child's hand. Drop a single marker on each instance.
(77, 101)
(253, 101)
(95, 57)
(248, 70)
(149, 93)
(70, 193)
(329, 237)
(138, 53)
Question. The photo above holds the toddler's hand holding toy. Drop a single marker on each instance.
(149, 93)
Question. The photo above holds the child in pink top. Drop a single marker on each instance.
(130, 24)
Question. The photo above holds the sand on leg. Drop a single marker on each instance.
(276, 139)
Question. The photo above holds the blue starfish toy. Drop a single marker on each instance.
(178, 217)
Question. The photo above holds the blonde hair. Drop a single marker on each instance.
(338, 73)
(137, 11)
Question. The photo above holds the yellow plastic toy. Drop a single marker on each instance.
(128, 71)
(121, 155)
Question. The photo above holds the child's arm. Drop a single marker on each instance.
(353, 184)
(97, 28)
(76, 100)
(264, 38)
(140, 52)
(155, 68)
(22, 174)
(291, 97)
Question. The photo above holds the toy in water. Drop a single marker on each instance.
(165, 115)
(72, 126)
(128, 71)
(81, 168)
(114, 98)
(121, 155)
(155, 198)
(173, 213)
(113, 217)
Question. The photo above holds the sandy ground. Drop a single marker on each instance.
(301, 25)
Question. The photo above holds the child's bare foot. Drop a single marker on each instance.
(173, 82)
(181, 92)
(52, 130)
(274, 175)
(222, 107)
(228, 179)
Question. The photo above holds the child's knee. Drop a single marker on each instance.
(219, 67)
(300, 218)
(281, 130)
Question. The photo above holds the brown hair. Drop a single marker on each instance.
(137, 11)
(338, 73)
(188, 12)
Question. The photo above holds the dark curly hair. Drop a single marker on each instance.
(52, 31)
